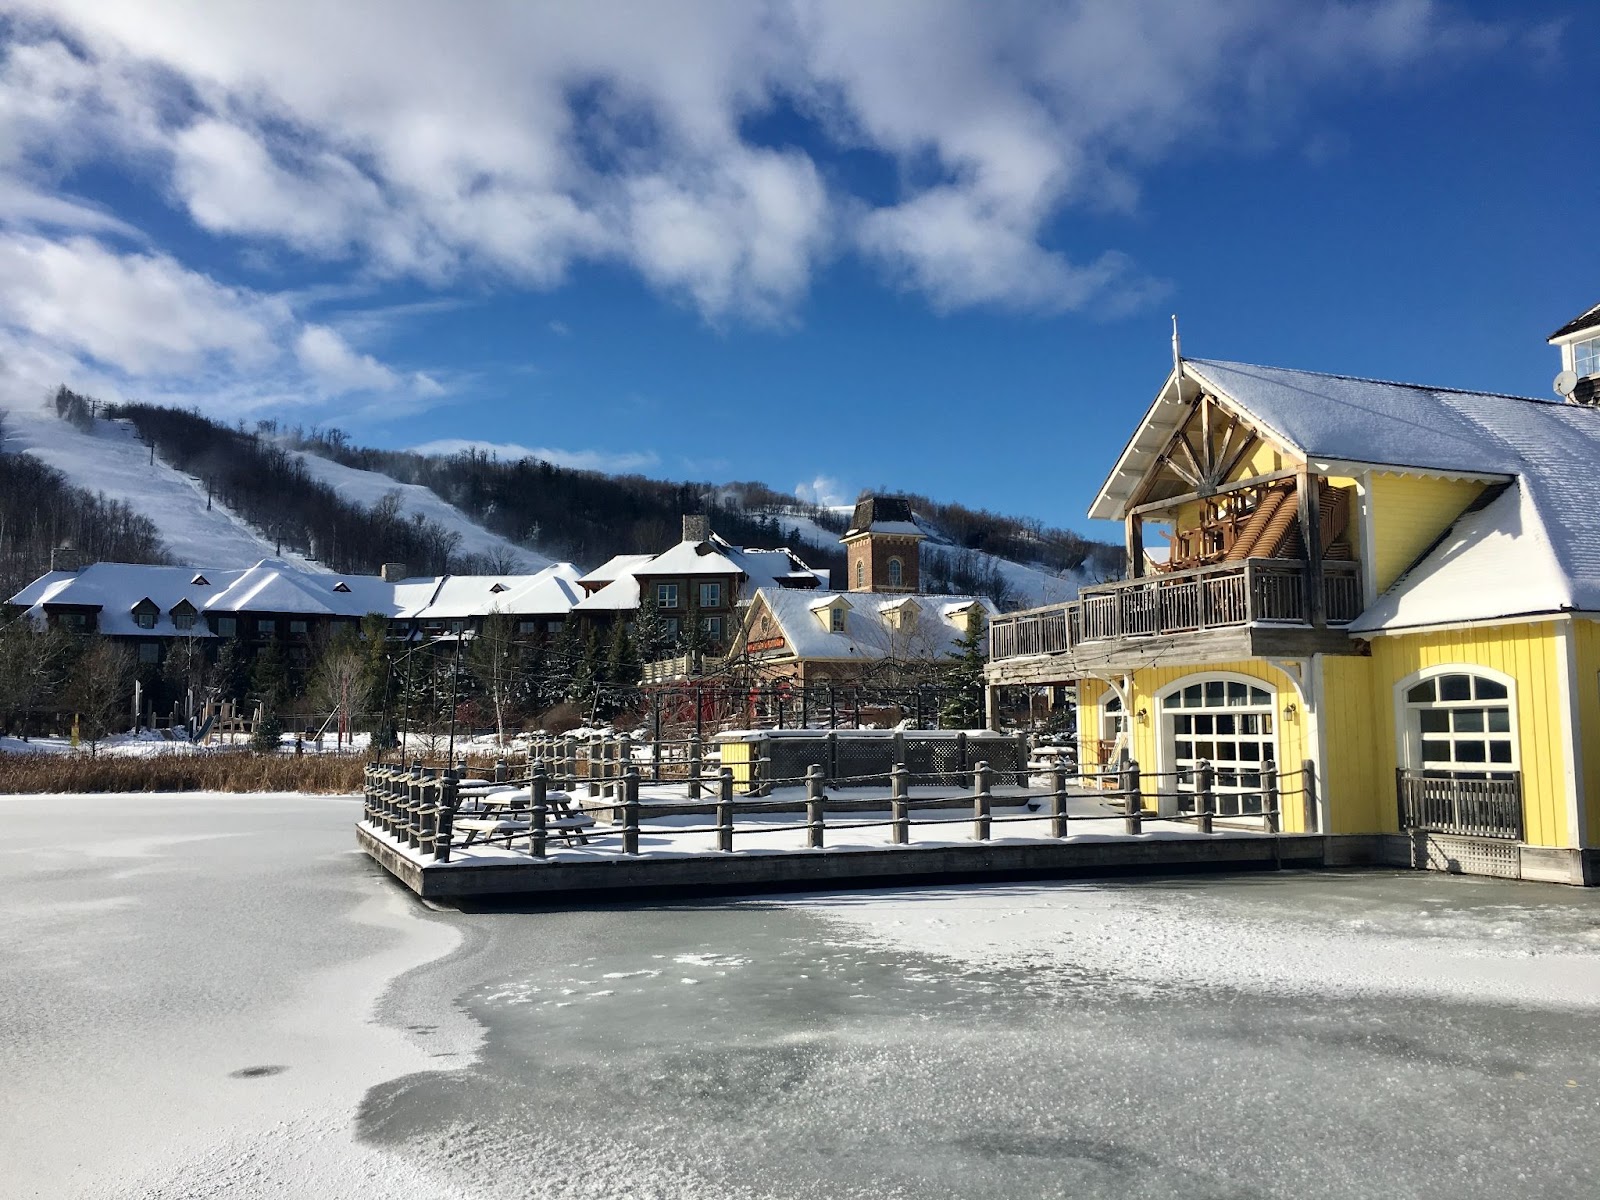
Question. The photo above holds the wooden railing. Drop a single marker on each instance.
(1260, 590)
(1470, 807)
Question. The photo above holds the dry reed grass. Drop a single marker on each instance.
(218, 771)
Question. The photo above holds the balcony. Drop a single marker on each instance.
(1221, 612)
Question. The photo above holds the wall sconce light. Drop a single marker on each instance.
(1143, 714)
(1291, 712)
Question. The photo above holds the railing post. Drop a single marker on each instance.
(445, 822)
(814, 806)
(500, 770)
(1132, 799)
(1022, 759)
(982, 801)
(695, 765)
(1204, 802)
(423, 831)
(592, 765)
(1269, 796)
(831, 763)
(630, 812)
(1058, 801)
(537, 830)
(900, 810)
(1308, 787)
(961, 752)
(725, 810)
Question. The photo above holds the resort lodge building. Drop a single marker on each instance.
(1397, 586)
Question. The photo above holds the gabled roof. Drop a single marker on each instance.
(1542, 530)
(614, 567)
(1578, 324)
(866, 634)
(550, 592)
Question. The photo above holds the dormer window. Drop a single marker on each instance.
(145, 613)
(836, 619)
(183, 615)
(1586, 357)
(341, 586)
(199, 581)
(497, 588)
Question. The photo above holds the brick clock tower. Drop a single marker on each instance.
(883, 546)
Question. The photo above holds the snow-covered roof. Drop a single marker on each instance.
(759, 568)
(614, 567)
(550, 592)
(1536, 548)
(1579, 324)
(273, 586)
(620, 595)
(692, 558)
(866, 634)
(883, 514)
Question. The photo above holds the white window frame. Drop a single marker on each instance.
(897, 573)
(714, 592)
(1408, 741)
(711, 627)
(1166, 739)
(667, 595)
(1589, 362)
(836, 619)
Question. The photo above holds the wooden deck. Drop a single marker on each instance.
(1257, 608)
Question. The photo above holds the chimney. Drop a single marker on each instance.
(392, 572)
(65, 558)
(696, 528)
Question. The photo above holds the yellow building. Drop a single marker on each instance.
(1390, 592)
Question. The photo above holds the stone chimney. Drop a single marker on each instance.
(392, 572)
(65, 558)
(696, 528)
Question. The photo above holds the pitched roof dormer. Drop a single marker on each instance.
(830, 612)
(199, 580)
(1579, 343)
(341, 586)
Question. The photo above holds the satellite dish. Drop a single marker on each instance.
(1565, 382)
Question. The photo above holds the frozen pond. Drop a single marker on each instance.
(187, 987)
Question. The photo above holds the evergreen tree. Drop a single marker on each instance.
(963, 707)
(650, 638)
(586, 676)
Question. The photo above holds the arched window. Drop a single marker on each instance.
(1459, 722)
(861, 572)
(1113, 727)
(896, 572)
(1229, 723)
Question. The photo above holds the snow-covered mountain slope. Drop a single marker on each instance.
(112, 460)
(1030, 585)
(368, 487)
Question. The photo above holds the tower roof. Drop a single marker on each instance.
(883, 514)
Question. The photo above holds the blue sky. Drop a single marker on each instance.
(829, 246)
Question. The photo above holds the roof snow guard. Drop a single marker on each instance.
(883, 514)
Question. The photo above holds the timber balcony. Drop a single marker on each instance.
(1259, 607)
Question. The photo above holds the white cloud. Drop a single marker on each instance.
(613, 461)
(825, 491)
(407, 141)
(140, 324)
(330, 361)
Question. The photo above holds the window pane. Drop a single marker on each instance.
(1435, 720)
(1433, 752)
(1204, 724)
(1238, 693)
(1471, 752)
(1488, 689)
(1422, 693)
(1183, 749)
(1249, 723)
(1183, 724)
(1191, 696)
(1225, 723)
(1455, 687)
(1227, 752)
(1499, 751)
(1215, 691)
(1258, 696)
(1250, 751)
(1469, 720)
(1499, 720)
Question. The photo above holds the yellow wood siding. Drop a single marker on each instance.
(1293, 742)
(1359, 783)
(1586, 636)
(1409, 513)
(1527, 653)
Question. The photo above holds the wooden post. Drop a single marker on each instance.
(655, 736)
(592, 763)
(445, 823)
(961, 751)
(1269, 795)
(424, 831)
(1308, 787)
(500, 770)
(831, 756)
(630, 812)
(1134, 531)
(1058, 801)
(1132, 798)
(1023, 751)
(695, 765)
(725, 810)
(1205, 803)
(982, 802)
(899, 805)
(1307, 492)
(541, 809)
(814, 806)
